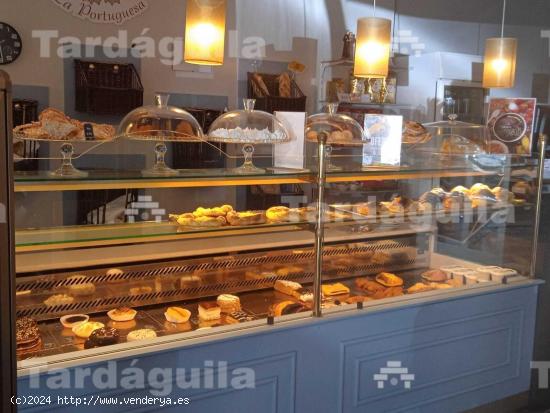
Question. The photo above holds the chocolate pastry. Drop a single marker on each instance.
(241, 316)
(26, 330)
(102, 337)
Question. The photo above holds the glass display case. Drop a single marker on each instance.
(190, 256)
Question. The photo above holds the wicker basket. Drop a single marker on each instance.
(107, 88)
(274, 102)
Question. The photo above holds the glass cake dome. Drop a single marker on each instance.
(248, 127)
(339, 129)
(160, 123)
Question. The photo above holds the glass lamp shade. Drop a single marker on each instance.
(499, 69)
(161, 122)
(205, 32)
(372, 52)
(340, 129)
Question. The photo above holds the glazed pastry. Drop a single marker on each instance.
(419, 288)
(287, 287)
(73, 320)
(212, 222)
(185, 220)
(122, 314)
(213, 212)
(84, 330)
(229, 303)
(209, 311)
(104, 336)
(142, 334)
(415, 133)
(435, 276)
(440, 286)
(334, 289)
(59, 299)
(278, 214)
(246, 218)
(177, 315)
(460, 190)
(477, 188)
(389, 280)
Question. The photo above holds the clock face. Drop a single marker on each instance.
(10, 44)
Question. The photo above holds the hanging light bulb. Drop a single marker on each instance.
(372, 53)
(499, 70)
(205, 32)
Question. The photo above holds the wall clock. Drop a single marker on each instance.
(10, 44)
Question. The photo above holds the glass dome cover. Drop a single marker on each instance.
(340, 129)
(453, 137)
(248, 126)
(160, 122)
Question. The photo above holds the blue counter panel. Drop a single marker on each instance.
(463, 352)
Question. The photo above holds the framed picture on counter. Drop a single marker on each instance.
(510, 123)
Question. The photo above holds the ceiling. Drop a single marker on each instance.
(519, 12)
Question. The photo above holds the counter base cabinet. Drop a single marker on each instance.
(464, 352)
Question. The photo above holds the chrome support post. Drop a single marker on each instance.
(320, 225)
(540, 177)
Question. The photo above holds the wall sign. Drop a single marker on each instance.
(103, 11)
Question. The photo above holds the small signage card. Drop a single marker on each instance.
(383, 141)
(291, 154)
(89, 132)
(510, 123)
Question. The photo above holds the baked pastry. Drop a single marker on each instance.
(27, 335)
(229, 303)
(213, 212)
(435, 276)
(419, 288)
(502, 194)
(212, 222)
(415, 133)
(84, 330)
(140, 290)
(278, 214)
(303, 294)
(388, 292)
(365, 208)
(460, 190)
(114, 273)
(72, 320)
(287, 307)
(239, 317)
(142, 334)
(440, 286)
(388, 279)
(58, 299)
(86, 288)
(209, 311)
(368, 285)
(477, 188)
(289, 269)
(185, 220)
(104, 336)
(358, 299)
(122, 314)
(287, 287)
(177, 315)
(330, 290)
(246, 218)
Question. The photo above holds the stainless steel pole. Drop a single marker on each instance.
(320, 225)
(540, 183)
